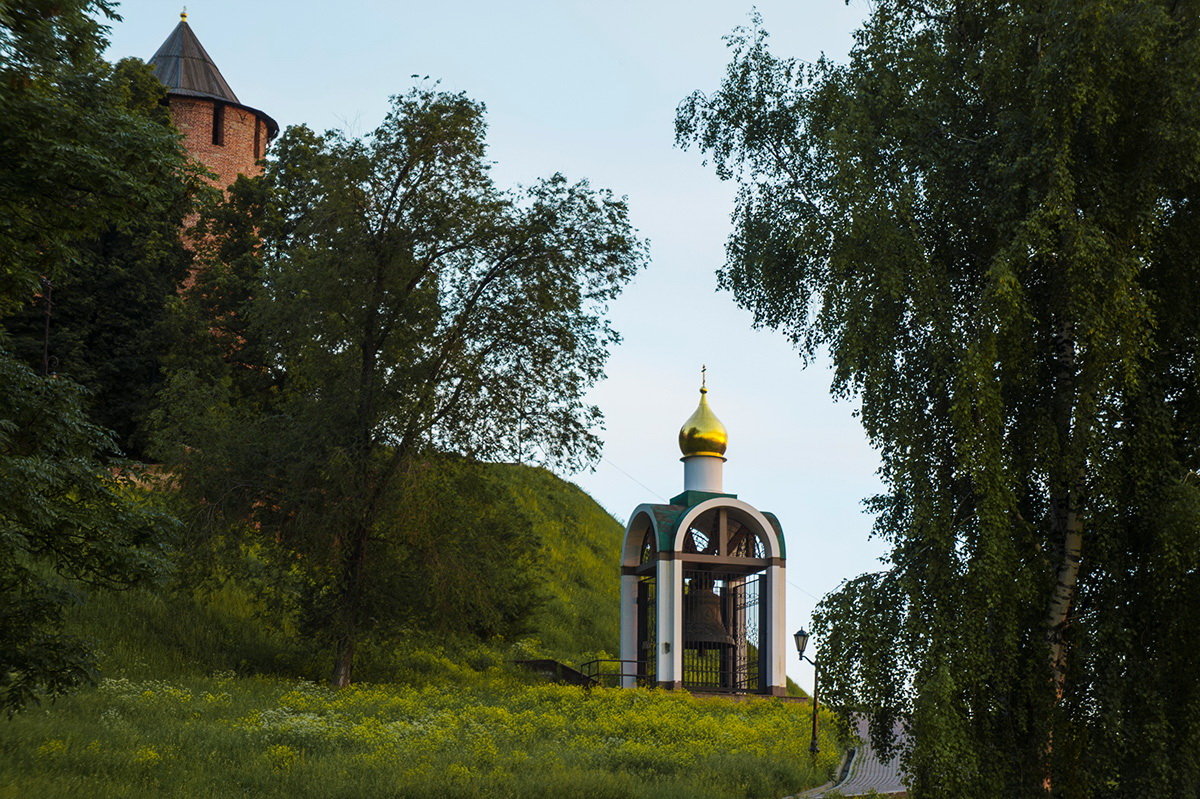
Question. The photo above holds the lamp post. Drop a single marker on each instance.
(801, 637)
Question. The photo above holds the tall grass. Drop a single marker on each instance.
(492, 737)
(166, 633)
(194, 705)
(201, 698)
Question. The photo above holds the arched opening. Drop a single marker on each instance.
(639, 601)
(647, 617)
(724, 556)
(724, 532)
(639, 535)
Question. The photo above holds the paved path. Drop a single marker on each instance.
(866, 772)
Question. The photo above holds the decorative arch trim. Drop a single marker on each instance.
(771, 533)
(635, 532)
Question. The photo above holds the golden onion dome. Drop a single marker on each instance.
(703, 433)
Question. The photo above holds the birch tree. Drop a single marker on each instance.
(987, 217)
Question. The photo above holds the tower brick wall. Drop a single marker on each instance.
(232, 146)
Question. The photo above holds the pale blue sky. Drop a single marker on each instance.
(590, 89)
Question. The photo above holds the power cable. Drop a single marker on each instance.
(634, 479)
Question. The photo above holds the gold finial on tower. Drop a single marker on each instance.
(183, 14)
(703, 433)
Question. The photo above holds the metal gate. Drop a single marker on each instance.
(647, 625)
(723, 624)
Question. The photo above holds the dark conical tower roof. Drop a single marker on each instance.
(185, 68)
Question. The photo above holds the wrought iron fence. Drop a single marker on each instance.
(647, 621)
(613, 672)
(722, 630)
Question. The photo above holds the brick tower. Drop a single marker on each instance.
(224, 135)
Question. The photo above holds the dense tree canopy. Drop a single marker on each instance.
(66, 523)
(85, 148)
(988, 216)
(92, 194)
(399, 304)
(84, 152)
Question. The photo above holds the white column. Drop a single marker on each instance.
(703, 473)
(669, 592)
(777, 635)
(629, 630)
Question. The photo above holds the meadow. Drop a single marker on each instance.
(200, 694)
(489, 735)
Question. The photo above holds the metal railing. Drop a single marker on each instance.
(615, 673)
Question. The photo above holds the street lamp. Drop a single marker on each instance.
(801, 637)
(801, 642)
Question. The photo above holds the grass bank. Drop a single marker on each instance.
(496, 736)
(206, 694)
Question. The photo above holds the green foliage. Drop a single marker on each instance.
(574, 571)
(106, 314)
(99, 321)
(167, 630)
(85, 272)
(988, 217)
(498, 551)
(492, 737)
(464, 554)
(399, 306)
(237, 612)
(65, 515)
(80, 139)
(196, 703)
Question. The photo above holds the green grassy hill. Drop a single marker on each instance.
(580, 562)
(198, 697)
(489, 736)
(575, 574)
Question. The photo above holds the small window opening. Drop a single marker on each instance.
(258, 126)
(649, 550)
(218, 128)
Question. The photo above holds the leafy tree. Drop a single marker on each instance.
(989, 218)
(65, 522)
(84, 271)
(78, 144)
(99, 322)
(82, 139)
(399, 305)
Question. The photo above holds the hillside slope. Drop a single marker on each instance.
(199, 695)
(579, 569)
(573, 574)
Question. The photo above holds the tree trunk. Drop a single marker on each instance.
(354, 555)
(349, 597)
(1066, 525)
(1062, 598)
(343, 665)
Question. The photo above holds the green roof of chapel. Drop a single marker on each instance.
(668, 517)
